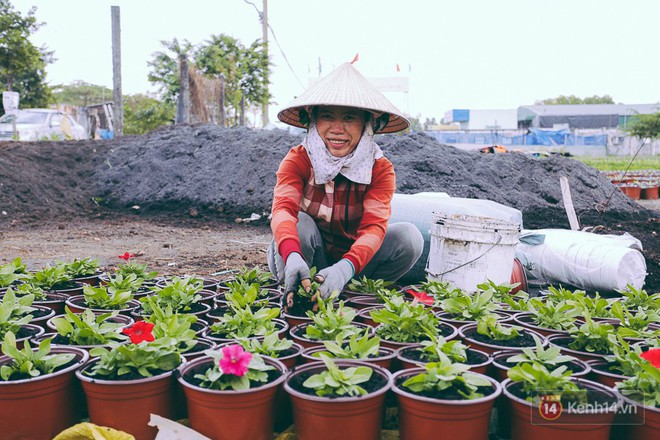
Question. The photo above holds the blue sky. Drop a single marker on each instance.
(476, 54)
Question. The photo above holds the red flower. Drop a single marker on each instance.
(234, 360)
(140, 331)
(653, 356)
(126, 256)
(422, 297)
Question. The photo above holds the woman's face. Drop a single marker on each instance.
(340, 128)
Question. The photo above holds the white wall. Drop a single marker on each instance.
(493, 119)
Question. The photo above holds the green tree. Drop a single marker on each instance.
(415, 124)
(143, 114)
(81, 94)
(645, 126)
(572, 99)
(22, 64)
(165, 68)
(244, 70)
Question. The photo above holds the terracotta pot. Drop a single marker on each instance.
(281, 326)
(363, 301)
(297, 333)
(197, 351)
(458, 323)
(229, 414)
(578, 367)
(53, 301)
(127, 405)
(364, 315)
(43, 406)
(563, 341)
(121, 319)
(383, 360)
(27, 332)
(223, 285)
(467, 334)
(407, 360)
(198, 309)
(273, 296)
(499, 373)
(518, 275)
(641, 422)
(424, 417)
(69, 291)
(331, 418)
(634, 192)
(447, 331)
(525, 319)
(527, 423)
(649, 193)
(77, 304)
(41, 315)
(294, 320)
(600, 373)
(91, 279)
(208, 284)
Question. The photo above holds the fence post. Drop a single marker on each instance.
(183, 104)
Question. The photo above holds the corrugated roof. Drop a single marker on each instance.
(591, 109)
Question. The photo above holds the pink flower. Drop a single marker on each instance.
(140, 331)
(126, 256)
(234, 360)
(422, 297)
(653, 356)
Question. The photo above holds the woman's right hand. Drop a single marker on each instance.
(296, 272)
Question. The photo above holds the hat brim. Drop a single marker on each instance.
(345, 87)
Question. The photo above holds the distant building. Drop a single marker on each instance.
(582, 116)
(482, 119)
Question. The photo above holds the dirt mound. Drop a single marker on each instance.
(223, 173)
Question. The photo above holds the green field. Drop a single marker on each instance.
(619, 163)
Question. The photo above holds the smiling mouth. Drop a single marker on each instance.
(337, 142)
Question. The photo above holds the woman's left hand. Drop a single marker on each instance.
(334, 278)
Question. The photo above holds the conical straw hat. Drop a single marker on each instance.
(347, 87)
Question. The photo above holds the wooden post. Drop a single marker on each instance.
(264, 33)
(183, 104)
(222, 122)
(242, 116)
(118, 103)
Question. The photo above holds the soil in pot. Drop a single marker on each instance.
(563, 343)
(413, 357)
(471, 337)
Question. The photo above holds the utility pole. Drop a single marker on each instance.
(118, 104)
(264, 36)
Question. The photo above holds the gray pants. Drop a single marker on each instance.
(402, 246)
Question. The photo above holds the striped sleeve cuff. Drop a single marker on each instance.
(288, 246)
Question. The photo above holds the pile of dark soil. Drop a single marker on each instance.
(224, 173)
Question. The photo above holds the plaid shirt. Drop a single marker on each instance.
(351, 217)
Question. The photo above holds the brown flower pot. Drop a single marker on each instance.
(527, 423)
(383, 360)
(363, 301)
(468, 334)
(127, 405)
(297, 333)
(41, 315)
(76, 288)
(27, 332)
(345, 418)
(408, 360)
(230, 414)
(641, 423)
(634, 192)
(77, 304)
(524, 319)
(122, 319)
(91, 279)
(447, 331)
(280, 325)
(423, 417)
(499, 373)
(43, 406)
(518, 275)
(53, 301)
(649, 193)
(600, 373)
(563, 341)
(458, 323)
(294, 320)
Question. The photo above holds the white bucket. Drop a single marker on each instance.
(468, 250)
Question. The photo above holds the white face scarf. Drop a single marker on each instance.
(356, 166)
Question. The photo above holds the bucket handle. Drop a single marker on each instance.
(439, 275)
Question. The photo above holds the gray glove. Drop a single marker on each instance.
(295, 270)
(335, 277)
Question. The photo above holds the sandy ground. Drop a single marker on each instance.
(200, 249)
